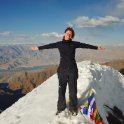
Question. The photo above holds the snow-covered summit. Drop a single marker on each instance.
(39, 106)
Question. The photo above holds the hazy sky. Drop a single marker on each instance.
(44, 21)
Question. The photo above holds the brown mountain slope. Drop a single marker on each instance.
(118, 65)
(28, 80)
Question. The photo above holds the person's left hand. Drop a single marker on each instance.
(101, 48)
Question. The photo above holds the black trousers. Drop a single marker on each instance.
(69, 76)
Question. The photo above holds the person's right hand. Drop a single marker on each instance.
(34, 48)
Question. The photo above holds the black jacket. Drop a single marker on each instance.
(67, 52)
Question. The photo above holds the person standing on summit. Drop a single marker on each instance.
(67, 70)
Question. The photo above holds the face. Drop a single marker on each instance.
(68, 35)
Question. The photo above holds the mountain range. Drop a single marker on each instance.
(18, 56)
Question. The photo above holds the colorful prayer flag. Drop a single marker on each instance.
(89, 109)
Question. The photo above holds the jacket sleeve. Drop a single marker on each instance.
(48, 46)
(87, 46)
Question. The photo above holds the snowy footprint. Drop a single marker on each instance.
(66, 118)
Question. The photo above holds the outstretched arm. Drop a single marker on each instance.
(88, 46)
(48, 46)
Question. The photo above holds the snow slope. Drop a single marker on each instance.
(39, 106)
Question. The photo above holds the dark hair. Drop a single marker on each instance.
(70, 29)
